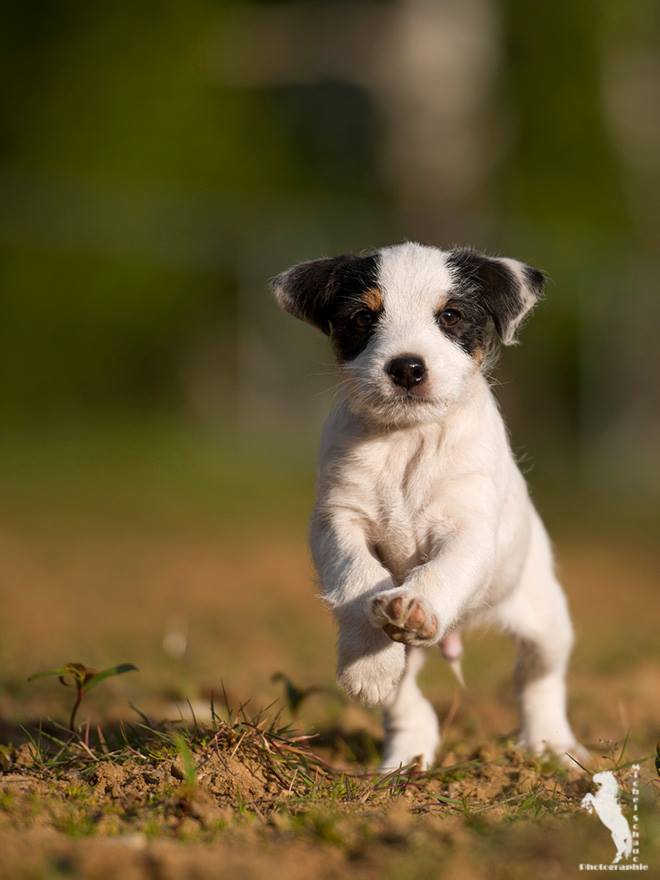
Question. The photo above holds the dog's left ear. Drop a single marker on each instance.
(309, 290)
(509, 289)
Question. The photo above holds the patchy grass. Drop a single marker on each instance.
(243, 787)
(219, 793)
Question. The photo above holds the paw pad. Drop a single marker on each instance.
(405, 617)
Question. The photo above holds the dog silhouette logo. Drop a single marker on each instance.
(605, 802)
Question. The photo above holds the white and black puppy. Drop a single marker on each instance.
(423, 523)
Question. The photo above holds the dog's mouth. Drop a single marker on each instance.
(402, 402)
(410, 396)
(387, 401)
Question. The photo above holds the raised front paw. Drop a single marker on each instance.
(405, 617)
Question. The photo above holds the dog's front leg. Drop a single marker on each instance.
(369, 664)
(434, 597)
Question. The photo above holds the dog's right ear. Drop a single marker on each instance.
(308, 290)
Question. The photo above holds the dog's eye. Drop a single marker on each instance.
(449, 317)
(363, 319)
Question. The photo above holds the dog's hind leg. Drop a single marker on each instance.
(537, 616)
(412, 730)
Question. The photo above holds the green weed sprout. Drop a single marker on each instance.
(295, 696)
(187, 762)
(84, 678)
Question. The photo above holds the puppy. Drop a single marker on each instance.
(423, 523)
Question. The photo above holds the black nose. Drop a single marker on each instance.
(407, 370)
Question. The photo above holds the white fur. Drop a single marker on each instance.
(423, 499)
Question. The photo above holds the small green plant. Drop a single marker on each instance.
(187, 762)
(295, 696)
(84, 679)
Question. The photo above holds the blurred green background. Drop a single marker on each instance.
(160, 161)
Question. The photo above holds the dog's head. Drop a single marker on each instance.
(410, 324)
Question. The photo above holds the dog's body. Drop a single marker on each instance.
(423, 523)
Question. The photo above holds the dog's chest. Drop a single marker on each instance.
(400, 481)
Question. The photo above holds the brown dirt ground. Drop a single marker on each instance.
(106, 592)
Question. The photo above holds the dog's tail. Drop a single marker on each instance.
(452, 650)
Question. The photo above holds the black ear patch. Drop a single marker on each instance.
(319, 289)
(508, 289)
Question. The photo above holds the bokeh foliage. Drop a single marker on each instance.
(155, 170)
